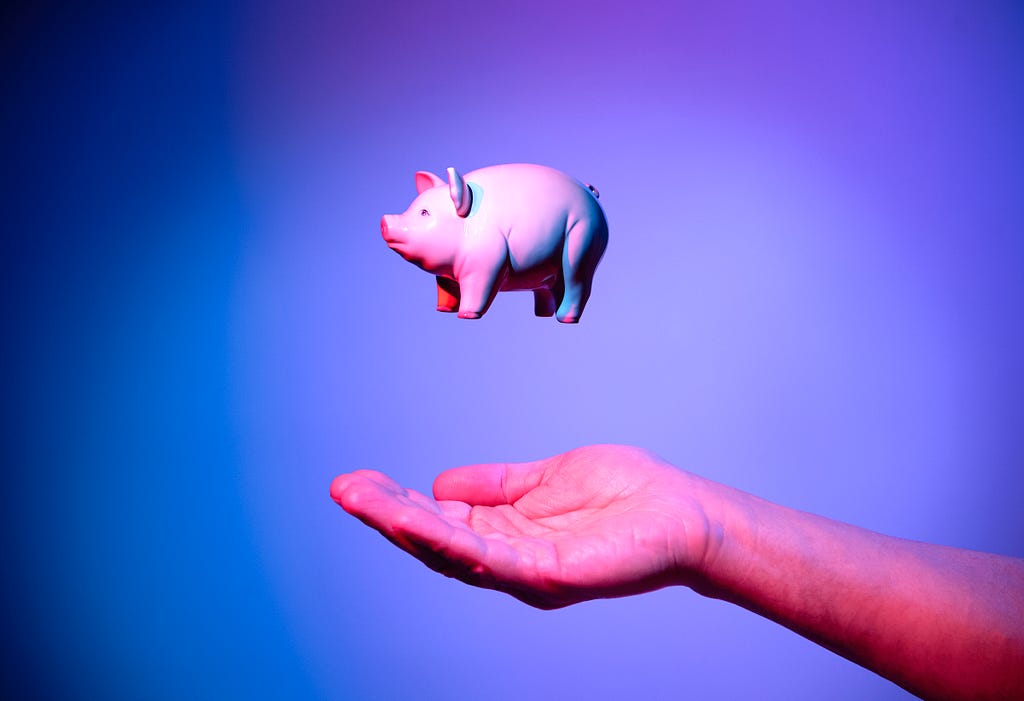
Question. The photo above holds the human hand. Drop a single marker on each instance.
(600, 521)
(606, 521)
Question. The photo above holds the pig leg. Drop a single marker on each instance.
(547, 299)
(478, 290)
(481, 273)
(543, 302)
(447, 294)
(584, 246)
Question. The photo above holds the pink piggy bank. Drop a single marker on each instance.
(506, 227)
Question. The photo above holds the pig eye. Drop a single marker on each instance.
(424, 213)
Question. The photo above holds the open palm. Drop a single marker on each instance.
(599, 521)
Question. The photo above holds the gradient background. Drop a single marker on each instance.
(813, 292)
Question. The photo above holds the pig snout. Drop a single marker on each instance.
(394, 233)
(391, 232)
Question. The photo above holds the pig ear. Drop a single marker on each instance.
(426, 180)
(461, 194)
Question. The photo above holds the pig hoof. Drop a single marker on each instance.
(447, 309)
(469, 315)
(569, 319)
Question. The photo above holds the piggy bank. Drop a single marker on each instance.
(505, 227)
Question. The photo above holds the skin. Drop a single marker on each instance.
(607, 521)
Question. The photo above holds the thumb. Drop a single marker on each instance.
(489, 484)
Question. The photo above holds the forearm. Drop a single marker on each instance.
(941, 622)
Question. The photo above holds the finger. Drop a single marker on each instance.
(439, 535)
(411, 520)
(456, 551)
(342, 483)
(489, 485)
(376, 499)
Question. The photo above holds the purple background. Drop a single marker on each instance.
(812, 291)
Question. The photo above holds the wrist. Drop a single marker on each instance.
(724, 528)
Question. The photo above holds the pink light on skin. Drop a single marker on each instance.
(607, 521)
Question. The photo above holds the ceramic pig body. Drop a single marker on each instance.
(506, 227)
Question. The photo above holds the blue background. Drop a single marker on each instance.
(812, 292)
